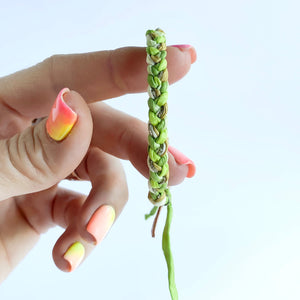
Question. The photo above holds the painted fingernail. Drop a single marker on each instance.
(62, 118)
(101, 222)
(190, 49)
(181, 159)
(74, 255)
(183, 46)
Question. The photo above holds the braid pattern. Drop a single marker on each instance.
(157, 160)
(158, 136)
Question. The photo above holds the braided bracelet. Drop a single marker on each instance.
(157, 160)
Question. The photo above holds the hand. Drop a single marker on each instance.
(33, 163)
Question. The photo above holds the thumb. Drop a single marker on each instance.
(46, 153)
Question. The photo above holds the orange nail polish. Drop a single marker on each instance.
(101, 222)
(181, 159)
(188, 48)
(62, 118)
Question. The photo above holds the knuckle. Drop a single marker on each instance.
(28, 157)
(50, 64)
(115, 74)
(106, 171)
(117, 183)
(127, 135)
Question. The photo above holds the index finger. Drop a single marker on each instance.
(96, 76)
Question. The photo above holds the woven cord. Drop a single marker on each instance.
(157, 160)
(157, 126)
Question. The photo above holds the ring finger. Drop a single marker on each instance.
(87, 225)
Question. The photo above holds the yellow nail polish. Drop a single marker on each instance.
(74, 255)
(62, 118)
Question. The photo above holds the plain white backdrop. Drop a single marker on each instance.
(236, 227)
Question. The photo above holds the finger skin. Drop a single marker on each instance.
(17, 237)
(96, 76)
(40, 211)
(108, 188)
(24, 100)
(31, 160)
(23, 219)
(126, 137)
(68, 238)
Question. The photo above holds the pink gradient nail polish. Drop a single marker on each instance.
(62, 118)
(183, 46)
(181, 159)
(187, 48)
(101, 222)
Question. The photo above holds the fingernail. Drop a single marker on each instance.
(74, 255)
(181, 159)
(183, 46)
(62, 118)
(190, 49)
(101, 222)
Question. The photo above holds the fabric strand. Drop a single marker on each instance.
(159, 194)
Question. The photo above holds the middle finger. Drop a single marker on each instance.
(124, 136)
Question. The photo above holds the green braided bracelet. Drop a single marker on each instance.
(157, 160)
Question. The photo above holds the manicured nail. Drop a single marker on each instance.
(62, 118)
(184, 46)
(190, 49)
(101, 222)
(181, 159)
(74, 255)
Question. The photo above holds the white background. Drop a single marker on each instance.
(236, 227)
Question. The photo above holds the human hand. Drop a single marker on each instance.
(32, 163)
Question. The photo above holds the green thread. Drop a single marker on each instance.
(157, 160)
(157, 103)
(166, 245)
(151, 213)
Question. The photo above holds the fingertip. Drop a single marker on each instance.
(95, 222)
(101, 222)
(193, 54)
(187, 49)
(74, 255)
(181, 166)
(76, 102)
(183, 160)
(192, 170)
(58, 252)
(70, 250)
(69, 116)
(180, 61)
(69, 128)
(62, 117)
(107, 197)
